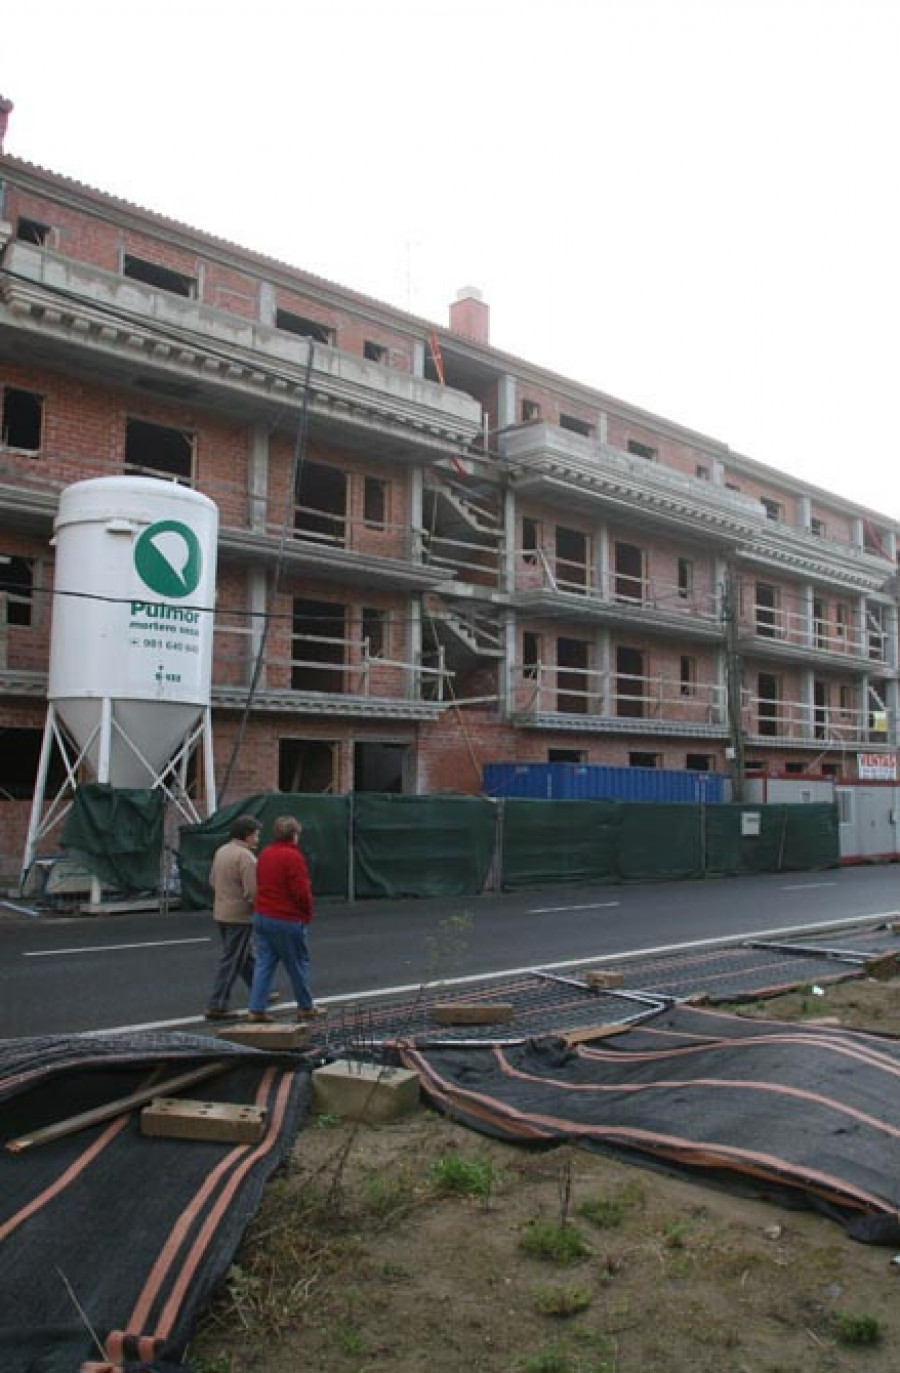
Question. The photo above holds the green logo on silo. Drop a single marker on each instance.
(167, 557)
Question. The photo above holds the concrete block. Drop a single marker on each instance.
(884, 967)
(364, 1091)
(275, 1036)
(175, 1118)
(472, 1012)
(604, 979)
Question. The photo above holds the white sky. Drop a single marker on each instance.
(690, 204)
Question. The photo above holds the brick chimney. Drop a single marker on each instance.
(469, 316)
(6, 108)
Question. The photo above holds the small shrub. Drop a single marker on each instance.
(544, 1239)
(384, 1195)
(562, 1301)
(462, 1176)
(856, 1330)
(609, 1212)
(553, 1359)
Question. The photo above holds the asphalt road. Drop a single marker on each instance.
(60, 975)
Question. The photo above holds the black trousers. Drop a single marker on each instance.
(236, 961)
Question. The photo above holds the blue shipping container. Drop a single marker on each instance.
(598, 782)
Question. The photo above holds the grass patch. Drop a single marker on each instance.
(463, 1176)
(609, 1212)
(562, 1301)
(556, 1243)
(856, 1330)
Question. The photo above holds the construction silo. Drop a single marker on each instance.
(132, 630)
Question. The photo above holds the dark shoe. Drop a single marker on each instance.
(213, 1014)
(260, 1018)
(274, 996)
(309, 1013)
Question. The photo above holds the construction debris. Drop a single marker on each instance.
(368, 1092)
(603, 979)
(171, 1118)
(276, 1036)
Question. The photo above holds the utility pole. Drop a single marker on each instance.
(733, 684)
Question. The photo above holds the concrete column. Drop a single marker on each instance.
(892, 697)
(603, 427)
(889, 539)
(508, 552)
(506, 684)
(506, 401)
(809, 697)
(862, 627)
(416, 485)
(891, 629)
(257, 596)
(857, 533)
(809, 631)
(414, 652)
(258, 477)
(601, 539)
(604, 662)
(804, 511)
(267, 305)
(418, 357)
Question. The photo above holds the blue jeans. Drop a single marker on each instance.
(280, 941)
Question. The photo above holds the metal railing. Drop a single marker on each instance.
(543, 688)
(535, 570)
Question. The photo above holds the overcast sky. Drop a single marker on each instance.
(689, 204)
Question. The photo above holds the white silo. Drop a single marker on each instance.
(132, 631)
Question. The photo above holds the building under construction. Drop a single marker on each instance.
(432, 555)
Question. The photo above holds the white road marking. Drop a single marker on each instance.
(809, 886)
(411, 988)
(552, 910)
(109, 948)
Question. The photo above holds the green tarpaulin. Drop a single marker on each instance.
(546, 843)
(118, 833)
(422, 845)
(324, 841)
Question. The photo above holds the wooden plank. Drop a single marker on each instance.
(121, 1106)
(593, 1032)
(471, 1012)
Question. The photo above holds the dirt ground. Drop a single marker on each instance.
(421, 1246)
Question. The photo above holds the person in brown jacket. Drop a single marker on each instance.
(233, 880)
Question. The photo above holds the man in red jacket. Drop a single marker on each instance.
(283, 909)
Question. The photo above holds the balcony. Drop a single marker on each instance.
(823, 562)
(560, 590)
(775, 722)
(594, 701)
(777, 633)
(59, 312)
(567, 469)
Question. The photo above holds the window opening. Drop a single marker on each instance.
(32, 231)
(305, 328)
(629, 579)
(629, 683)
(375, 503)
(20, 751)
(820, 628)
(685, 578)
(321, 510)
(317, 646)
(379, 767)
(163, 278)
(571, 676)
(766, 610)
(768, 690)
(817, 527)
(158, 449)
(572, 555)
(688, 675)
(821, 702)
(531, 531)
(17, 588)
(642, 450)
(698, 762)
(374, 628)
(643, 760)
(373, 352)
(576, 426)
(566, 755)
(306, 765)
(702, 472)
(531, 411)
(21, 423)
(531, 654)
(772, 508)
